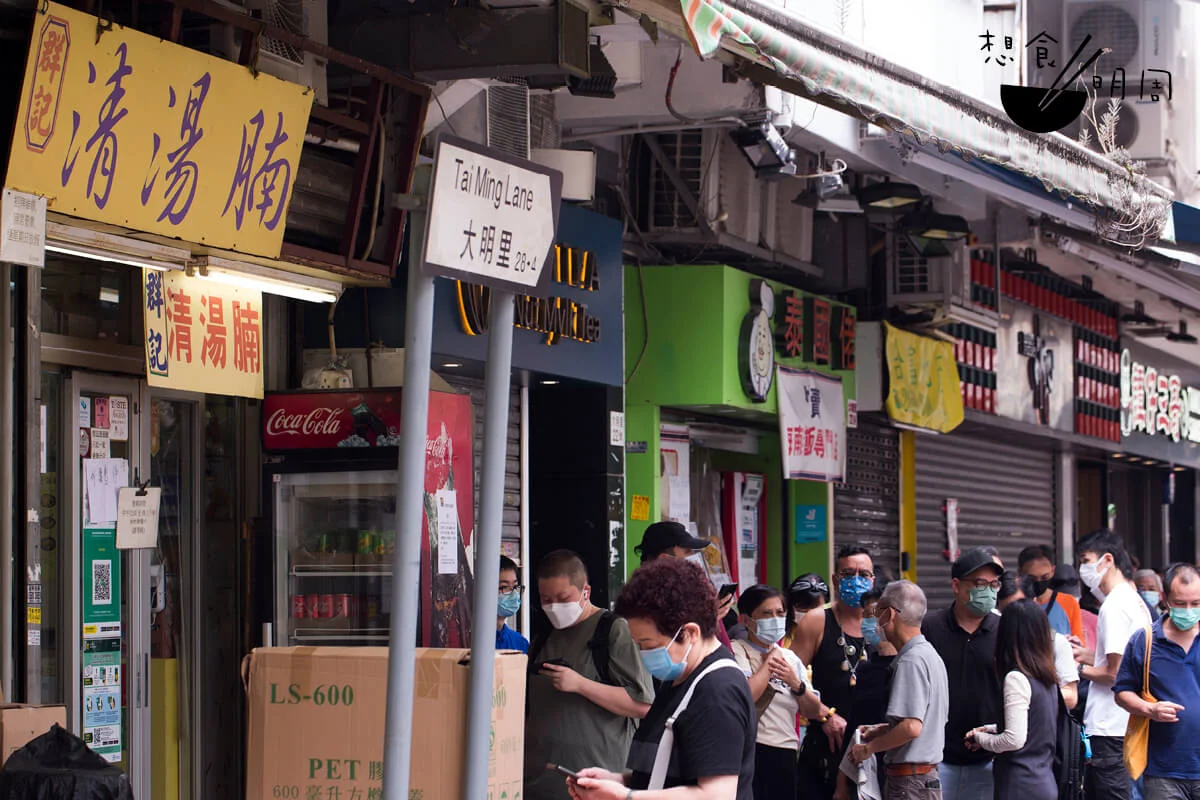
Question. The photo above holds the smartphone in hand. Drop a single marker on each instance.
(559, 768)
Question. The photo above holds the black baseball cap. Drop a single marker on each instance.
(662, 536)
(973, 559)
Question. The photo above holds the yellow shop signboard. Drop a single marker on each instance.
(124, 128)
(923, 381)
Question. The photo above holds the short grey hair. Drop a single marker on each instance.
(908, 600)
(1149, 573)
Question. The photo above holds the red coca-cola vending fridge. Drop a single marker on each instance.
(331, 473)
(744, 517)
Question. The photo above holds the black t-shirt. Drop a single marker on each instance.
(976, 695)
(713, 737)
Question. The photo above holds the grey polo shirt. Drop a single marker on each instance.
(920, 691)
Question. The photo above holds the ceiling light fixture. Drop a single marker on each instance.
(247, 275)
(888, 196)
(766, 150)
(549, 383)
(451, 365)
(70, 240)
(1181, 336)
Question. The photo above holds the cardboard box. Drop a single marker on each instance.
(317, 723)
(20, 725)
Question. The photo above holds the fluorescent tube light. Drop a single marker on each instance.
(83, 251)
(247, 275)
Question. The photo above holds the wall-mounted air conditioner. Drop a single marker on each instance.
(936, 287)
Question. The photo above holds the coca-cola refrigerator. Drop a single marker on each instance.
(331, 479)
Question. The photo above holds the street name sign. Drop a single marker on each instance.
(492, 217)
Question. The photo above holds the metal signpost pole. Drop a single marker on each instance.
(487, 543)
(410, 502)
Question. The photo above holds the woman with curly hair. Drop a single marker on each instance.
(697, 741)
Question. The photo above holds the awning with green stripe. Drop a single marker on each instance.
(895, 98)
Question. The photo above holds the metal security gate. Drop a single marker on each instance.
(1006, 498)
(866, 508)
(511, 530)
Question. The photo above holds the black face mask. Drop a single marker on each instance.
(1033, 588)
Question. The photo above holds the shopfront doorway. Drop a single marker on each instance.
(128, 633)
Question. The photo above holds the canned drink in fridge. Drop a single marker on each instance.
(298, 607)
(372, 607)
(343, 605)
(312, 605)
(323, 543)
(365, 540)
(325, 606)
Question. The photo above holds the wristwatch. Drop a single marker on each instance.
(801, 691)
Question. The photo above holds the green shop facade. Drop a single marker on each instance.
(702, 427)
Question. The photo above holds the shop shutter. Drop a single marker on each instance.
(511, 531)
(1006, 498)
(866, 508)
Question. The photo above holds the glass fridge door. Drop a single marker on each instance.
(334, 541)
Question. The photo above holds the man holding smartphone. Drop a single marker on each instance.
(672, 540)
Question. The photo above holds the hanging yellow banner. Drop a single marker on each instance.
(121, 127)
(202, 336)
(923, 381)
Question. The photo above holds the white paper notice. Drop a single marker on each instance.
(137, 518)
(616, 428)
(85, 412)
(100, 447)
(102, 479)
(118, 419)
(447, 531)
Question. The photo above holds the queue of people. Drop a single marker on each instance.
(862, 692)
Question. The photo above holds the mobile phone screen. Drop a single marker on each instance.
(563, 770)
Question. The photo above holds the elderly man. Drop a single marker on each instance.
(913, 737)
(964, 635)
(1150, 587)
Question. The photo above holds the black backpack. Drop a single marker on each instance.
(1068, 753)
(598, 644)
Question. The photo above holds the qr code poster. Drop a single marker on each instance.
(101, 576)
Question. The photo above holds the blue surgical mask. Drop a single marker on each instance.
(772, 629)
(659, 664)
(851, 590)
(509, 605)
(1185, 618)
(1151, 598)
(870, 630)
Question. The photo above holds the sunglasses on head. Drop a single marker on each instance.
(809, 586)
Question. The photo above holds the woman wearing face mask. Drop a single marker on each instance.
(708, 752)
(807, 593)
(1024, 766)
(779, 686)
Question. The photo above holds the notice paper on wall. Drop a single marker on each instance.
(118, 419)
(102, 479)
(446, 503)
(137, 518)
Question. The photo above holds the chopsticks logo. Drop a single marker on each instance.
(1053, 108)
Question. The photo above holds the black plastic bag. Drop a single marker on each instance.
(59, 766)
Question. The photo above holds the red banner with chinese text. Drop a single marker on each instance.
(202, 336)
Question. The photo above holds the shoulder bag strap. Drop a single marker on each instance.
(1053, 602)
(1146, 665)
(662, 758)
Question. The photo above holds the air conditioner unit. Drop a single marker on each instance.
(1143, 36)
(935, 287)
(307, 18)
(732, 199)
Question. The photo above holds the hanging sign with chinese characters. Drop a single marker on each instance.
(1155, 403)
(814, 330)
(492, 217)
(923, 381)
(812, 425)
(202, 336)
(121, 127)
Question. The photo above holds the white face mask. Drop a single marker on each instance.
(798, 615)
(1092, 575)
(698, 560)
(564, 615)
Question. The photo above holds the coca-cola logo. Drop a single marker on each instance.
(318, 422)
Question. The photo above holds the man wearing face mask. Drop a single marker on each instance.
(1105, 568)
(1173, 760)
(587, 683)
(509, 604)
(964, 635)
(1036, 564)
(831, 642)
